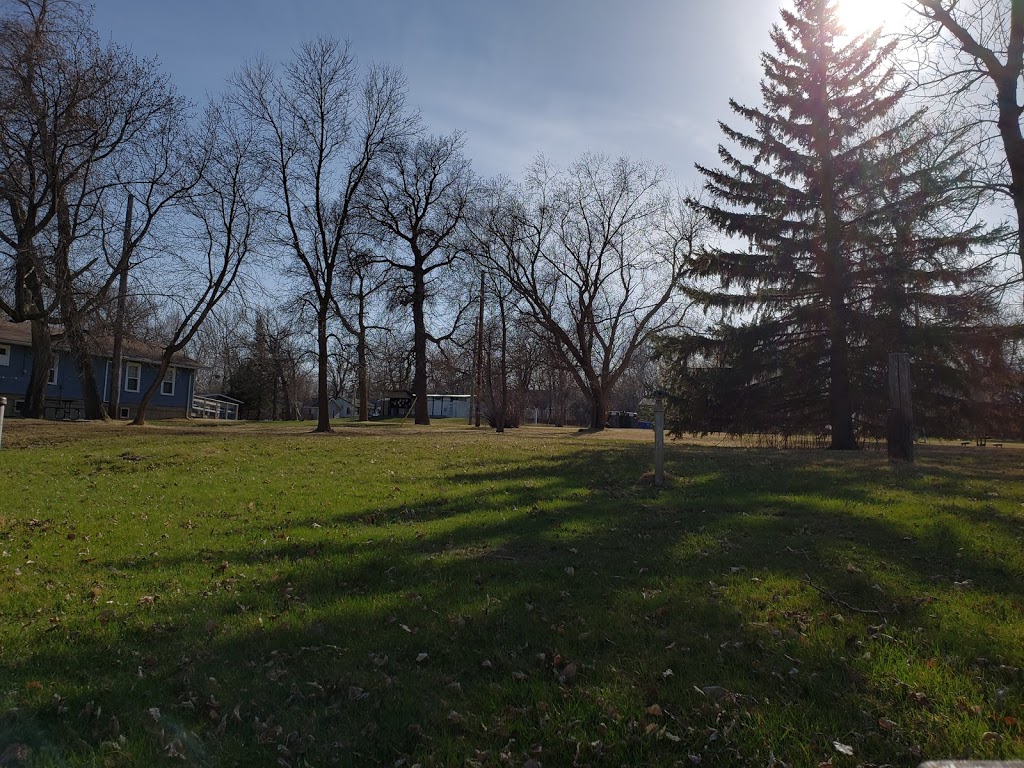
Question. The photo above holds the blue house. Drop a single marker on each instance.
(64, 392)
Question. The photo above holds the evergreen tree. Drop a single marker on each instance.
(817, 189)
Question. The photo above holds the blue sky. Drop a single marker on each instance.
(647, 78)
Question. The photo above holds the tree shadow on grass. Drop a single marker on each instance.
(784, 579)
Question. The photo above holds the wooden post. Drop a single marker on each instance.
(901, 413)
(3, 407)
(659, 442)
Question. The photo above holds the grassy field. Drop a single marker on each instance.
(394, 596)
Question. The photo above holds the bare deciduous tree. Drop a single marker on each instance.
(74, 111)
(366, 279)
(225, 228)
(972, 53)
(417, 201)
(323, 128)
(595, 252)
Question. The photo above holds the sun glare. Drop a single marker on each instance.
(865, 15)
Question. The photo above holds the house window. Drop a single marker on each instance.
(52, 376)
(5, 354)
(126, 413)
(132, 377)
(167, 385)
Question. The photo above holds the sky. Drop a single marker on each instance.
(644, 78)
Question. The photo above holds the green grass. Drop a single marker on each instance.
(261, 596)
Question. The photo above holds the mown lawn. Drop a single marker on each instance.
(392, 595)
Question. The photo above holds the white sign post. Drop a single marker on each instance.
(3, 407)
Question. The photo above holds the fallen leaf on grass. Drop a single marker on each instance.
(990, 736)
(568, 674)
(654, 711)
(667, 674)
(845, 749)
(886, 724)
(420, 658)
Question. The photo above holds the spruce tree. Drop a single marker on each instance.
(806, 189)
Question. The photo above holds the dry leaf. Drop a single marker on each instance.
(568, 674)
(654, 710)
(846, 749)
(421, 658)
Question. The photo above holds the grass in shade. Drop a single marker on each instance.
(257, 595)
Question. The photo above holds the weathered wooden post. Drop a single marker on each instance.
(901, 413)
(3, 407)
(659, 437)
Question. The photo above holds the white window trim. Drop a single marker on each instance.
(5, 354)
(168, 379)
(127, 376)
(51, 377)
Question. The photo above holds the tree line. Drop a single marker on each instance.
(308, 236)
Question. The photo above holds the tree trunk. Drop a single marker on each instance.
(362, 367)
(599, 408)
(479, 357)
(840, 401)
(833, 274)
(419, 381)
(140, 416)
(901, 415)
(1013, 145)
(323, 420)
(503, 365)
(362, 378)
(122, 301)
(42, 354)
(74, 332)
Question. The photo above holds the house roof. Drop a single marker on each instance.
(135, 350)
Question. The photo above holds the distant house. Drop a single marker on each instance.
(342, 408)
(395, 403)
(398, 404)
(64, 400)
(448, 406)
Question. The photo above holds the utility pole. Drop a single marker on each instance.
(122, 306)
(479, 352)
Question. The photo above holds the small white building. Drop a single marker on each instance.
(343, 408)
(448, 406)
